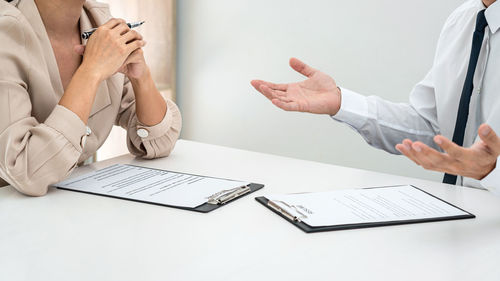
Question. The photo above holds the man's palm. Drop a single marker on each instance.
(318, 94)
(314, 95)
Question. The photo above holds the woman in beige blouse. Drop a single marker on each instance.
(57, 107)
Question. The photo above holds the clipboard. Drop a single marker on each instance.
(212, 204)
(314, 229)
(208, 207)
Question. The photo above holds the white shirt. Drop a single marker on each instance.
(433, 105)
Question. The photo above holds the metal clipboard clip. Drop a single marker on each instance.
(224, 196)
(286, 213)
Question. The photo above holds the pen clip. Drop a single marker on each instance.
(286, 213)
(225, 196)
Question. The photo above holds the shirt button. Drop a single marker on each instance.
(89, 131)
(142, 133)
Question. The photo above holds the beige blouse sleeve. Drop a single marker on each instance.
(33, 155)
(155, 141)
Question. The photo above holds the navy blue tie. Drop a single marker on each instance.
(463, 108)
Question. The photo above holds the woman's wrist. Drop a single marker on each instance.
(144, 83)
(144, 79)
(91, 75)
(80, 93)
(151, 107)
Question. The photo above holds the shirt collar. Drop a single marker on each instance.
(493, 16)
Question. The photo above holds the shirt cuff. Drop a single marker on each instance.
(353, 109)
(153, 132)
(492, 181)
(68, 124)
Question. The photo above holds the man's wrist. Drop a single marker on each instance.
(338, 93)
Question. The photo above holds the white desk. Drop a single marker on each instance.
(73, 236)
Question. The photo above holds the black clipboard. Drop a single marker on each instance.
(311, 229)
(204, 208)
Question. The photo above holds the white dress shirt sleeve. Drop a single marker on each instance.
(384, 124)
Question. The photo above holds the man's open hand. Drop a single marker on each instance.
(318, 94)
(474, 162)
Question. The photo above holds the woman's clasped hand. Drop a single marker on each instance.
(113, 48)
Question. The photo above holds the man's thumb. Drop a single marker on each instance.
(488, 136)
(79, 49)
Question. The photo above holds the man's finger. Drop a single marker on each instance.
(266, 91)
(257, 83)
(451, 148)
(489, 137)
(274, 94)
(430, 158)
(403, 148)
(409, 152)
(282, 96)
(419, 152)
(287, 106)
(302, 68)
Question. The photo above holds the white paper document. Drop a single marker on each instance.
(358, 206)
(151, 185)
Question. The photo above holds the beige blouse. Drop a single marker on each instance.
(41, 142)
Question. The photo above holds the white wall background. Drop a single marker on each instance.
(381, 47)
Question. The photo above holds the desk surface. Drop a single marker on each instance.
(73, 236)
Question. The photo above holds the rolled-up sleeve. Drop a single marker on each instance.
(148, 142)
(33, 153)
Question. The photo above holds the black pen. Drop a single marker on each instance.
(87, 34)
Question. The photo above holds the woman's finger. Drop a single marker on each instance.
(134, 45)
(123, 69)
(121, 29)
(112, 23)
(130, 36)
(135, 57)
